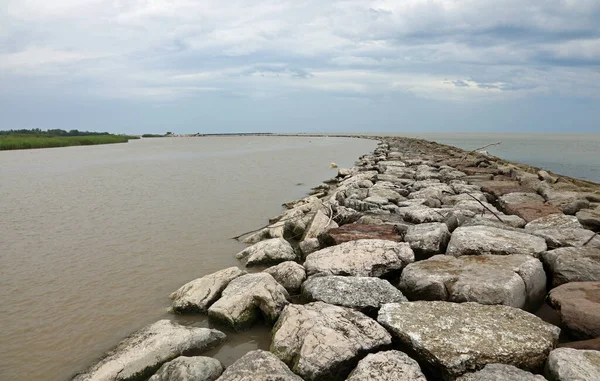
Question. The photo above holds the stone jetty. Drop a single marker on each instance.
(421, 262)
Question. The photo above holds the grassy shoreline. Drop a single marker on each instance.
(26, 141)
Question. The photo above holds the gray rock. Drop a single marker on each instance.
(553, 221)
(360, 206)
(455, 338)
(567, 364)
(142, 353)
(387, 366)
(309, 246)
(364, 257)
(590, 218)
(475, 240)
(320, 341)
(389, 194)
(362, 293)
(519, 198)
(420, 214)
(508, 221)
(189, 369)
(476, 207)
(573, 264)
(377, 200)
(320, 223)
(561, 237)
(568, 202)
(258, 365)
(456, 198)
(289, 274)
(199, 294)
(501, 372)
(246, 297)
(428, 239)
(512, 280)
(268, 252)
(578, 305)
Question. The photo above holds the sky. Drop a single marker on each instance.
(187, 66)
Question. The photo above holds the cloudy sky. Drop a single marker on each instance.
(300, 65)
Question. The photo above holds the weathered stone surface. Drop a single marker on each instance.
(360, 206)
(456, 198)
(567, 364)
(365, 257)
(476, 207)
(560, 237)
(366, 294)
(428, 239)
(199, 294)
(320, 341)
(501, 372)
(568, 202)
(531, 211)
(268, 252)
(455, 338)
(387, 366)
(488, 219)
(593, 344)
(573, 264)
(552, 221)
(420, 214)
(590, 218)
(353, 232)
(512, 280)
(309, 246)
(183, 368)
(289, 274)
(475, 240)
(578, 305)
(258, 365)
(388, 194)
(246, 297)
(520, 198)
(142, 353)
(320, 223)
(500, 188)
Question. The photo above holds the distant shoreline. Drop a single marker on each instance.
(21, 142)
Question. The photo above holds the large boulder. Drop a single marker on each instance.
(199, 294)
(268, 252)
(362, 293)
(512, 280)
(289, 274)
(353, 232)
(258, 365)
(247, 298)
(142, 353)
(184, 368)
(578, 305)
(320, 341)
(501, 372)
(561, 237)
(573, 264)
(590, 218)
(475, 240)
(428, 239)
(387, 366)
(365, 257)
(567, 364)
(455, 338)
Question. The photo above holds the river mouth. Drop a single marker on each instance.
(94, 239)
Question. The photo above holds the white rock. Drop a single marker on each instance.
(271, 251)
(475, 240)
(567, 364)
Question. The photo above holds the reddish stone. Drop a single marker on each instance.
(352, 232)
(500, 188)
(578, 304)
(591, 344)
(481, 171)
(530, 211)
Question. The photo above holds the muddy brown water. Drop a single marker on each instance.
(94, 239)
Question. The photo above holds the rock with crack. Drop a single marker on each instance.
(428, 239)
(567, 364)
(573, 264)
(475, 240)
(578, 305)
(512, 280)
(142, 353)
(387, 366)
(451, 339)
(196, 368)
(364, 257)
(289, 274)
(247, 298)
(320, 341)
(199, 294)
(501, 372)
(320, 223)
(258, 365)
(365, 294)
(269, 252)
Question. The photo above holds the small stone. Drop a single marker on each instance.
(258, 365)
(387, 366)
(567, 364)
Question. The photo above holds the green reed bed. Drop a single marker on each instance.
(26, 141)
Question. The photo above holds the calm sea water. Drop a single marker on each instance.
(94, 239)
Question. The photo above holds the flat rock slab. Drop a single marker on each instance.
(258, 365)
(512, 280)
(142, 353)
(365, 257)
(579, 307)
(197, 368)
(247, 298)
(362, 293)
(320, 341)
(520, 198)
(561, 237)
(428, 239)
(476, 240)
(387, 366)
(573, 264)
(553, 221)
(199, 294)
(530, 211)
(455, 338)
(566, 364)
(500, 188)
(501, 372)
(268, 252)
(289, 274)
(353, 232)
(590, 218)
